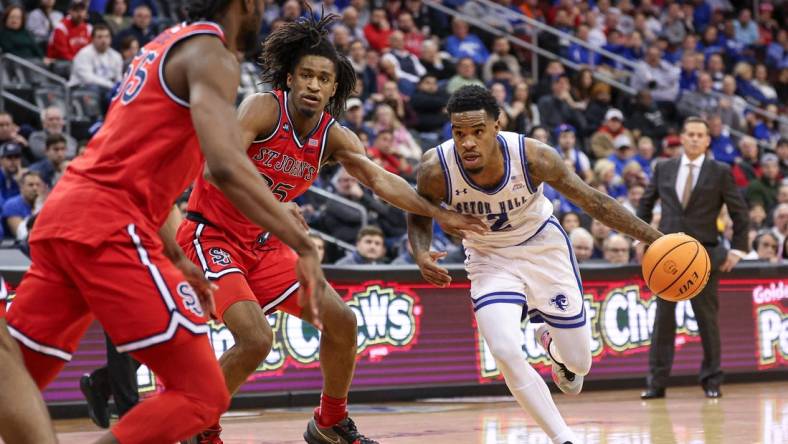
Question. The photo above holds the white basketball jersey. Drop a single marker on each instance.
(513, 210)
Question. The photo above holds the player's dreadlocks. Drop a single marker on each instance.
(285, 47)
(205, 9)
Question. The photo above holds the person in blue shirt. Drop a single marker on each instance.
(17, 209)
(623, 152)
(464, 44)
(10, 168)
(722, 145)
(54, 164)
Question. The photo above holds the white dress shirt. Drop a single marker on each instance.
(681, 177)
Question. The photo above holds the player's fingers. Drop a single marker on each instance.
(436, 276)
(474, 225)
(436, 255)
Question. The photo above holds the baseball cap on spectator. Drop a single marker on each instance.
(614, 113)
(769, 158)
(766, 7)
(564, 128)
(671, 141)
(353, 102)
(10, 149)
(622, 141)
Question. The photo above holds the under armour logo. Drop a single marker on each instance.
(464, 191)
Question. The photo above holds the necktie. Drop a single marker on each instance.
(685, 196)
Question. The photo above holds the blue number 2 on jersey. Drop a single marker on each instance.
(136, 77)
(501, 221)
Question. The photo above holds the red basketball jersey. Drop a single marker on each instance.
(288, 164)
(141, 160)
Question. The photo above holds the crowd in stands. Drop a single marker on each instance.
(682, 58)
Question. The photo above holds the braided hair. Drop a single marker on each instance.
(285, 47)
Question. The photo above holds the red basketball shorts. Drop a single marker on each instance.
(263, 272)
(138, 295)
(3, 297)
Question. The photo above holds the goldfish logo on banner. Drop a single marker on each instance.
(621, 323)
(770, 305)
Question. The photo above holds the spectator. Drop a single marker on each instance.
(403, 142)
(115, 16)
(671, 147)
(559, 107)
(411, 35)
(782, 154)
(606, 177)
(674, 27)
(291, 10)
(350, 19)
(746, 29)
(378, 30)
(575, 159)
(617, 249)
(129, 47)
(387, 72)
(645, 154)
(428, 104)
(763, 190)
(623, 153)
(700, 102)
(370, 248)
(389, 157)
(544, 85)
(602, 141)
(71, 34)
(140, 27)
(43, 20)
(340, 37)
(634, 193)
(462, 44)
(10, 170)
(722, 146)
(632, 175)
(354, 117)
(716, 69)
(9, 131)
(777, 51)
(744, 86)
(748, 167)
(599, 232)
(582, 244)
(18, 209)
(54, 165)
(320, 245)
(761, 82)
(526, 113)
(434, 62)
(657, 75)
(764, 248)
(540, 133)
(98, 66)
(52, 123)
(731, 106)
(581, 54)
(757, 217)
(501, 52)
(570, 221)
(405, 256)
(466, 75)
(780, 228)
(645, 118)
(408, 66)
(597, 106)
(15, 38)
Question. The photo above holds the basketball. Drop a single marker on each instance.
(676, 267)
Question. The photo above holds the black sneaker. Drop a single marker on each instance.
(98, 404)
(344, 432)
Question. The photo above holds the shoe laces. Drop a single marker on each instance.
(352, 432)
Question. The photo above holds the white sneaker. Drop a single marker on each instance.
(569, 383)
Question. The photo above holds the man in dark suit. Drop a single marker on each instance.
(692, 190)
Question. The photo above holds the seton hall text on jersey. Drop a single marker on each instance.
(482, 207)
(269, 158)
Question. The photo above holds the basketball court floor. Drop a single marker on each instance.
(746, 414)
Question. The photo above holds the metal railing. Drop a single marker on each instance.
(7, 60)
(342, 201)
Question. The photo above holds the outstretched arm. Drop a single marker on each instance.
(348, 150)
(547, 166)
(430, 186)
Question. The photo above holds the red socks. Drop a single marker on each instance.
(331, 411)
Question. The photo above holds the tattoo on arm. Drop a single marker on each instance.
(429, 185)
(548, 166)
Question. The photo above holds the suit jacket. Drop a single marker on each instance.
(715, 187)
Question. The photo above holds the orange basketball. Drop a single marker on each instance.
(676, 267)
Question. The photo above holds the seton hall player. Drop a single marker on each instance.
(290, 133)
(526, 259)
(104, 243)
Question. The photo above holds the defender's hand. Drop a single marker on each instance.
(311, 278)
(201, 285)
(295, 210)
(431, 271)
(730, 262)
(455, 223)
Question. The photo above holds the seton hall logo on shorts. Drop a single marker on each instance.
(219, 256)
(560, 302)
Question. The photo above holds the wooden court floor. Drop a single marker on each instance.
(747, 414)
